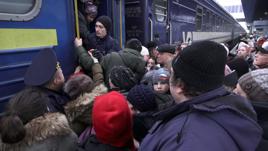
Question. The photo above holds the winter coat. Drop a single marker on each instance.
(213, 121)
(46, 133)
(79, 111)
(92, 143)
(104, 45)
(57, 100)
(261, 109)
(97, 74)
(163, 101)
(142, 123)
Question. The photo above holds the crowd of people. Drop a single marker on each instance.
(198, 96)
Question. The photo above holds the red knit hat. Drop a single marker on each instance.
(112, 120)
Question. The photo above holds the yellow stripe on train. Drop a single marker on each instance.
(13, 38)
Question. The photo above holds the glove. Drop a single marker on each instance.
(97, 54)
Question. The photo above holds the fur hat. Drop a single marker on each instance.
(161, 75)
(166, 48)
(142, 98)
(201, 65)
(42, 69)
(77, 85)
(255, 84)
(106, 22)
(122, 77)
(112, 120)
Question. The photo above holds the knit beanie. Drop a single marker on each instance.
(142, 98)
(77, 85)
(201, 65)
(255, 84)
(106, 22)
(112, 120)
(161, 75)
(147, 79)
(122, 77)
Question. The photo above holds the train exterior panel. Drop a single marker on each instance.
(26, 26)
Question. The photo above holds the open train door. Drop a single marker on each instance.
(147, 20)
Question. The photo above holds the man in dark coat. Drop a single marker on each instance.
(101, 39)
(129, 57)
(206, 116)
(45, 74)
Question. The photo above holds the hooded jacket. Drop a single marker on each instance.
(48, 132)
(215, 120)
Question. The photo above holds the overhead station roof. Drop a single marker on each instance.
(255, 10)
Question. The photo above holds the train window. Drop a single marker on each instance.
(19, 10)
(198, 18)
(160, 10)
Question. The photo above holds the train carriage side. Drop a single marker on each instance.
(26, 27)
(212, 22)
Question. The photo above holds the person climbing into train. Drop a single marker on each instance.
(206, 116)
(254, 86)
(45, 73)
(101, 41)
(87, 12)
(28, 125)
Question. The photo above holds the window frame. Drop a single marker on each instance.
(159, 15)
(23, 17)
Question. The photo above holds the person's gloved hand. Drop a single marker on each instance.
(97, 54)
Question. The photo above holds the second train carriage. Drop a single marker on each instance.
(170, 21)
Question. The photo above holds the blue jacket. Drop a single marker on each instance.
(214, 121)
